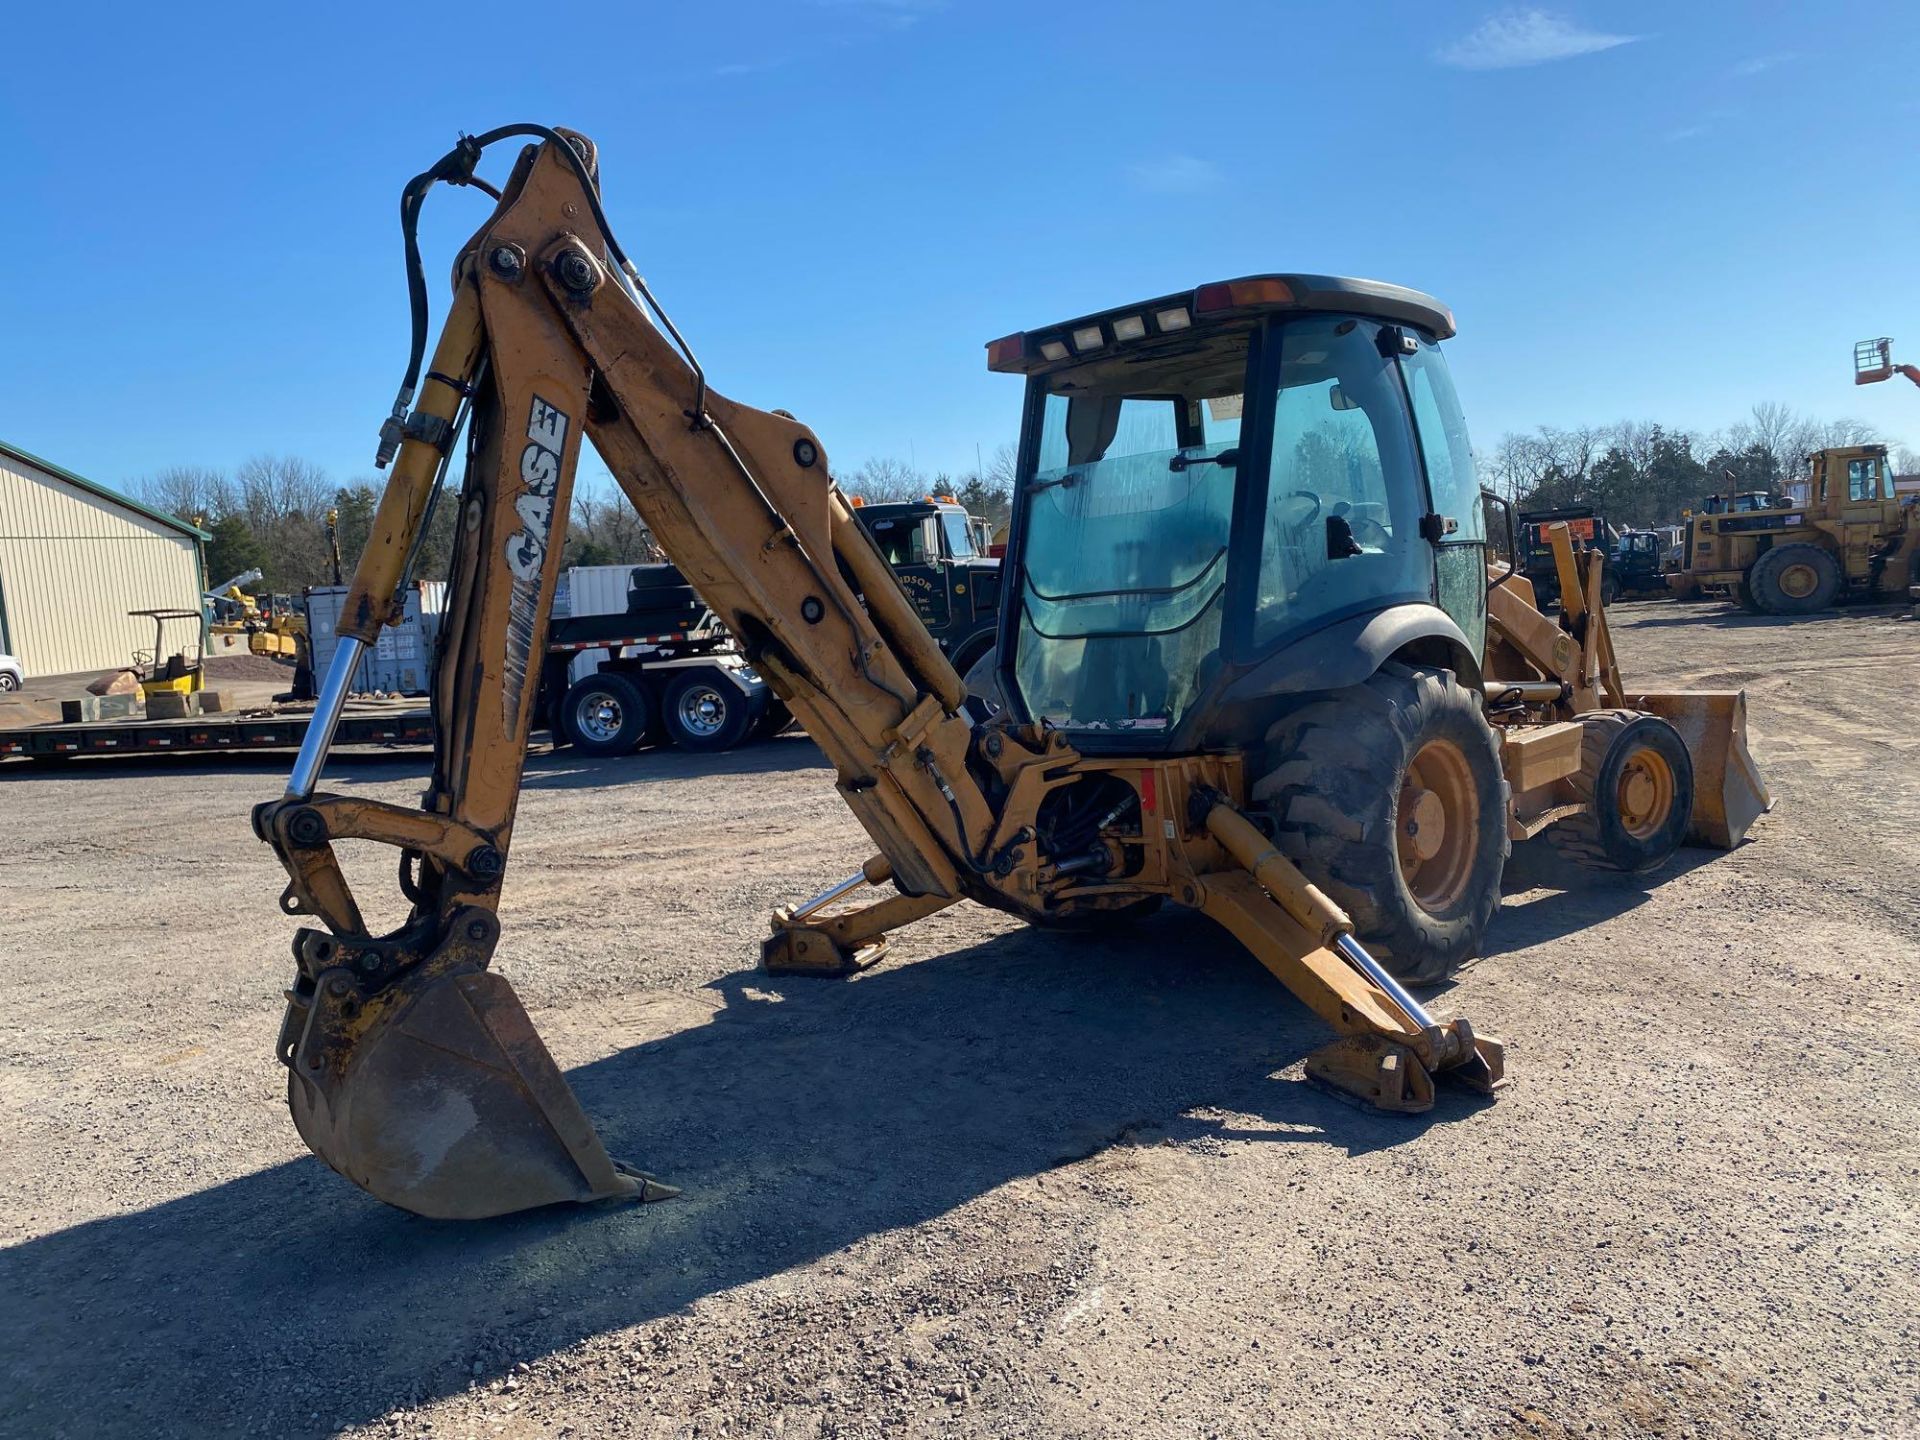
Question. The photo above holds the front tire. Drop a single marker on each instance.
(1795, 579)
(1390, 798)
(605, 714)
(1637, 779)
(705, 712)
(7, 681)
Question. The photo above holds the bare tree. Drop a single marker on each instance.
(603, 529)
(883, 477)
(191, 492)
(284, 501)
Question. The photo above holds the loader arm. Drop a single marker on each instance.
(414, 1070)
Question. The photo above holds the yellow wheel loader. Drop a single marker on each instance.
(1240, 660)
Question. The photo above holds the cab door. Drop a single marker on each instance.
(1461, 542)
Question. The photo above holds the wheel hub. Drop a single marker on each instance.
(600, 717)
(1644, 793)
(703, 711)
(1423, 824)
(1799, 581)
(1436, 826)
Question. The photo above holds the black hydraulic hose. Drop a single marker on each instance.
(456, 168)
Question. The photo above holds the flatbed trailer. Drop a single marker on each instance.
(277, 729)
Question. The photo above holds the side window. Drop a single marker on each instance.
(1444, 443)
(1862, 481)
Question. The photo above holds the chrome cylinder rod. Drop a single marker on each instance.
(1357, 956)
(326, 718)
(827, 897)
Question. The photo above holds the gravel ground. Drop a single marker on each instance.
(1006, 1184)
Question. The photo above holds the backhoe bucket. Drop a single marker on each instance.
(437, 1096)
(1729, 792)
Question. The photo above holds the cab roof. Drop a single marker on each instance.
(1207, 306)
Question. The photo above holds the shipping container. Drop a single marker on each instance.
(400, 661)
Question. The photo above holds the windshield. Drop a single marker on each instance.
(959, 531)
(1125, 544)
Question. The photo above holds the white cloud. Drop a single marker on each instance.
(1525, 37)
(749, 67)
(892, 14)
(1760, 64)
(1175, 174)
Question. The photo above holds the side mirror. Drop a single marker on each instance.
(1340, 400)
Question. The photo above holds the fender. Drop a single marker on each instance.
(1348, 651)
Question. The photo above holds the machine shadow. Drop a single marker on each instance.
(1578, 898)
(804, 1117)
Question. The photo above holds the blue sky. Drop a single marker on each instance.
(1652, 211)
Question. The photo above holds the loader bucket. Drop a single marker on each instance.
(1729, 792)
(438, 1097)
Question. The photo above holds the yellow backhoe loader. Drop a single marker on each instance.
(1240, 659)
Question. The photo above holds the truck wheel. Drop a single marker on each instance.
(1743, 597)
(705, 712)
(1637, 779)
(1794, 580)
(605, 714)
(1390, 798)
(1609, 591)
(7, 682)
(775, 718)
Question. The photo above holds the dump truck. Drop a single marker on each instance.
(1243, 649)
(1588, 529)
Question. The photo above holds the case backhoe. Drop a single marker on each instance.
(1246, 596)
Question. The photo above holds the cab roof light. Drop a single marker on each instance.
(1242, 294)
(856, 501)
(1089, 337)
(1174, 319)
(1053, 350)
(1130, 327)
(1008, 352)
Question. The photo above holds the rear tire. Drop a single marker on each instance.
(1637, 778)
(605, 714)
(7, 682)
(1743, 597)
(705, 712)
(1609, 591)
(1390, 798)
(1797, 579)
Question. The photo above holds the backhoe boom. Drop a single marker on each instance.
(414, 1070)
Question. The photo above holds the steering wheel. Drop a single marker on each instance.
(1370, 532)
(1293, 514)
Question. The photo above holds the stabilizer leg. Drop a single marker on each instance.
(1391, 1048)
(806, 943)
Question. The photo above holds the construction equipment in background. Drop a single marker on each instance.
(1589, 530)
(1873, 362)
(1241, 666)
(178, 672)
(1852, 538)
(1638, 564)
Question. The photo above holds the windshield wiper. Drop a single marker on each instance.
(1226, 460)
(1072, 477)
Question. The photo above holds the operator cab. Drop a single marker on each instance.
(1220, 492)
